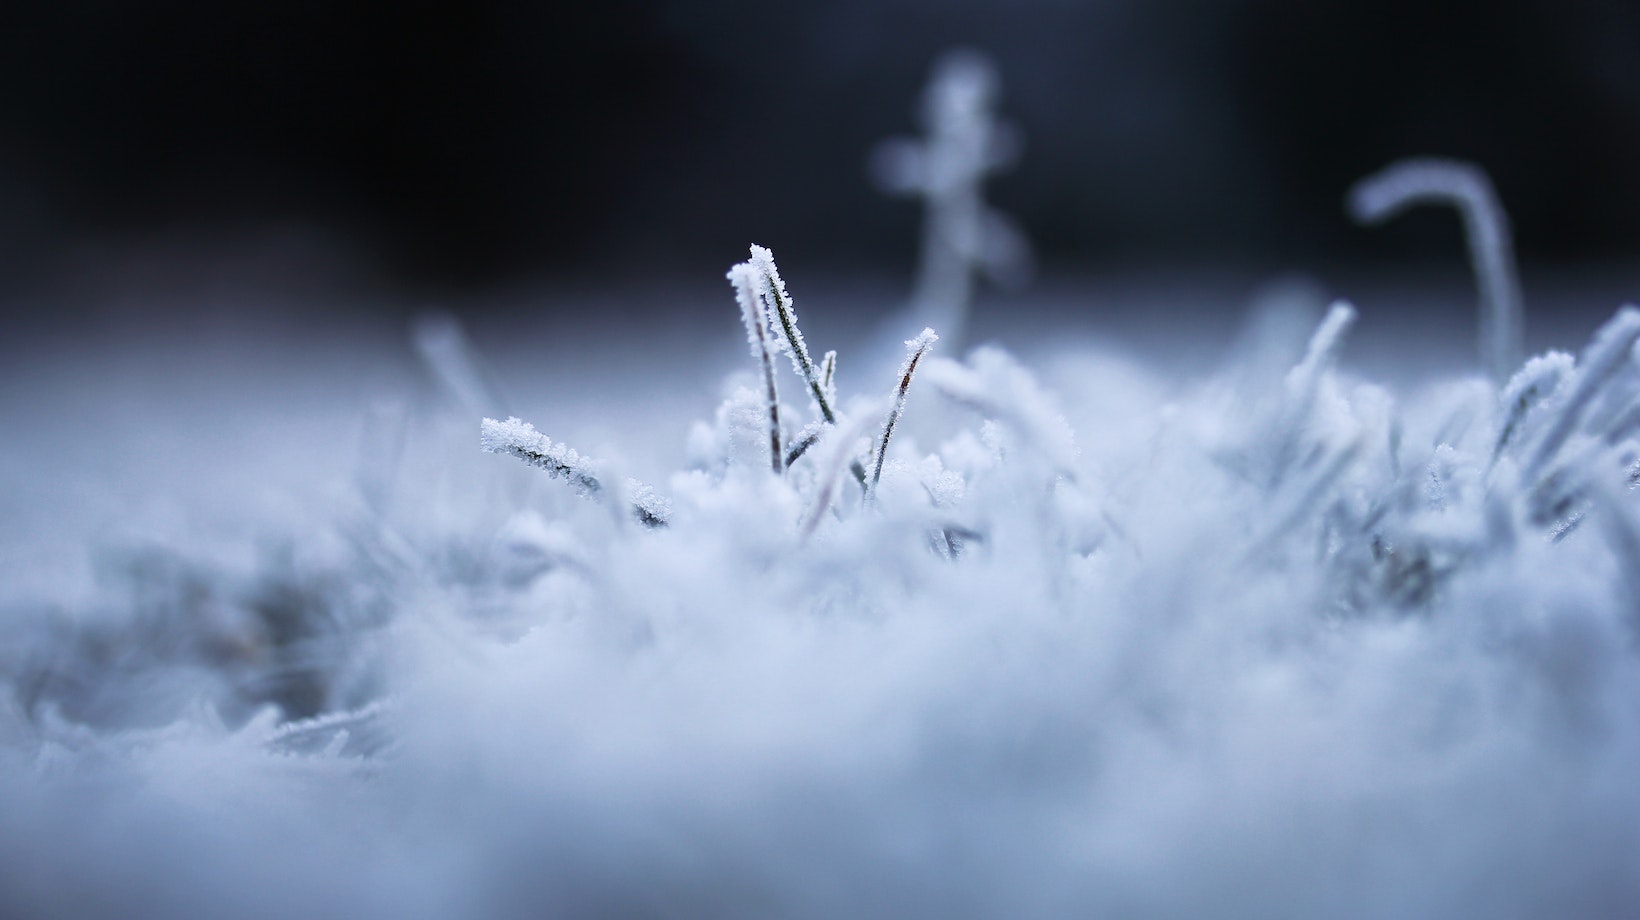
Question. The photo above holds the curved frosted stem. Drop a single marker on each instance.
(1465, 187)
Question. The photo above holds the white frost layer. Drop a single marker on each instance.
(1297, 647)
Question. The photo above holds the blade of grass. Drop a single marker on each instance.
(745, 280)
(914, 351)
(518, 438)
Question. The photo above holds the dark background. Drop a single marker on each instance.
(438, 149)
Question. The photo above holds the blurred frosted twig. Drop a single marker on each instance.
(828, 373)
(782, 320)
(1531, 385)
(1303, 387)
(442, 343)
(965, 143)
(519, 439)
(1463, 186)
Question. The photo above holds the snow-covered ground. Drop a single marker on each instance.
(1201, 613)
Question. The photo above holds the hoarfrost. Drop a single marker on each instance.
(746, 278)
(797, 685)
(517, 438)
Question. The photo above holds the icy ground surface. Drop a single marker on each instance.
(1278, 631)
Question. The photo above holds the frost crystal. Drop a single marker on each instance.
(1527, 390)
(650, 507)
(443, 345)
(1323, 349)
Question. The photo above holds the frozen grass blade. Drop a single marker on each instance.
(1531, 385)
(805, 440)
(914, 351)
(1604, 357)
(517, 438)
(842, 439)
(782, 318)
(1303, 385)
(1463, 186)
(1322, 352)
(745, 280)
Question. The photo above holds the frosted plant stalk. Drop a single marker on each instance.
(1531, 385)
(1322, 351)
(914, 351)
(1463, 186)
(782, 320)
(1303, 385)
(840, 454)
(1599, 363)
(965, 143)
(518, 438)
(745, 280)
(828, 374)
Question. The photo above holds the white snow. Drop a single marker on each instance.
(1260, 641)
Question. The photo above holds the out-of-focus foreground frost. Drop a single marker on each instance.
(1273, 641)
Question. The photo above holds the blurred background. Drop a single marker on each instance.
(380, 156)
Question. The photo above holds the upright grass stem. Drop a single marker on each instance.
(782, 318)
(914, 351)
(745, 280)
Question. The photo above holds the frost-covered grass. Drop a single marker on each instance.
(1265, 639)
